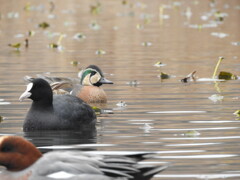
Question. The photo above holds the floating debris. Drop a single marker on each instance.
(235, 43)
(188, 13)
(219, 16)
(31, 33)
(146, 127)
(95, 9)
(79, 36)
(237, 113)
(19, 35)
(58, 44)
(124, 2)
(43, 25)
(94, 26)
(28, 7)
(75, 63)
(16, 45)
(100, 52)
(189, 77)
(159, 64)
(139, 26)
(227, 76)
(133, 83)
(217, 66)
(1, 119)
(26, 43)
(164, 76)
(121, 104)
(201, 26)
(146, 44)
(192, 133)
(53, 45)
(12, 15)
(216, 98)
(219, 34)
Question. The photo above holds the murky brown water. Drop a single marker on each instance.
(159, 112)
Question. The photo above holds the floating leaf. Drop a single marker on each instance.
(95, 9)
(220, 16)
(94, 26)
(100, 52)
(237, 113)
(159, 64)
(227, 76)
(235, 43)
(146, 127)
(139, 26)
(189, 77)
(216, 97)
(19, 35)
(26, 42)
(27, 7)
(53, 45)
(164, 76)
(43, 25)
(79, 36)
(192, 133)
(31, 33)
(219, 34)
(124, 2)
(16, 45)
(133, 83)
(121, 104)
(75, 63)
(12, 15)
(146, 44)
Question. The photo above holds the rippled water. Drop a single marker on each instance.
(199, 137)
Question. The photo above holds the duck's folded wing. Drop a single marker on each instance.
(76, 165)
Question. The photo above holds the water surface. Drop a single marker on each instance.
(199, 137)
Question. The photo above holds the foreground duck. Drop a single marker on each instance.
(55, 112)
(23, 161)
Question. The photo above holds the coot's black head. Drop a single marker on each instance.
(93, 76)
(38, 90)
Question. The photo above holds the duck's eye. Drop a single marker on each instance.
(7, 148)
(93, 73)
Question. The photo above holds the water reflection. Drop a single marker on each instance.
(49, 138)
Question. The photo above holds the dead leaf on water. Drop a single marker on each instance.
(227, 76)
(164, 75)
(216, 98)
(16, 45)
(100, 52)
(237, 113)
(192, 133)
(189, 77)
(95, 9)
(43, 25)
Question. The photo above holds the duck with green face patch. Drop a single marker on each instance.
(90, 89)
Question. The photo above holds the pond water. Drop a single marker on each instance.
(198, 136)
